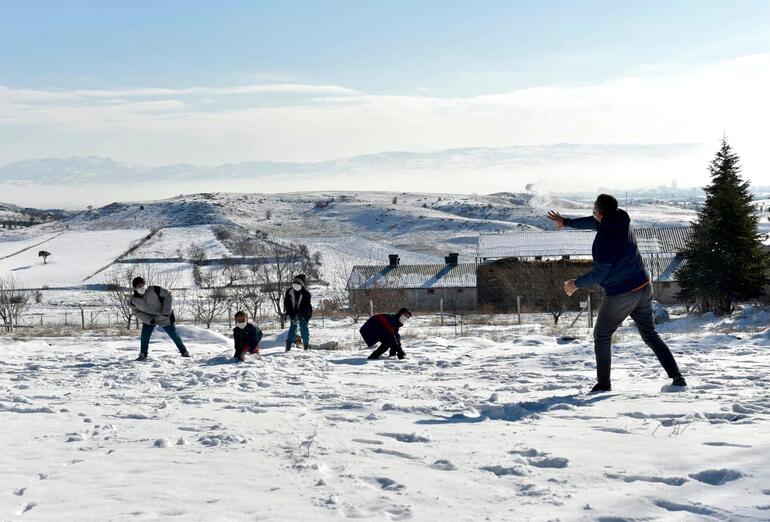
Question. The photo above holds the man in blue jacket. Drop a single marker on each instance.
(619, 269)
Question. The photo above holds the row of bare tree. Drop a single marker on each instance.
(250, 285)
(14, 301)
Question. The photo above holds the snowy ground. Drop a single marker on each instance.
(463, 429)
(75, 255)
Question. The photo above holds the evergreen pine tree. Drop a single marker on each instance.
(725, 260)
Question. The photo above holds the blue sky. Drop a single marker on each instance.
(452, 48)
(227, 81)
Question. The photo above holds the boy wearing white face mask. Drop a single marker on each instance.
(246, 336)
(384, 329)
(298, 309)
(153, 306)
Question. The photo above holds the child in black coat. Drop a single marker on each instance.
(384, 329)
(246, 336)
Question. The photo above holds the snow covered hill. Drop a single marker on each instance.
(346, 227)
(17, 214)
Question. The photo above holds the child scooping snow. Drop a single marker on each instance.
(246, 336)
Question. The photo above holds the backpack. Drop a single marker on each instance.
(162, 300)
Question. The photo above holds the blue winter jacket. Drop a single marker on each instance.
(618, 266)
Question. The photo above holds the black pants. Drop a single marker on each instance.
(383, 347)
(246, 347)
(612, 313)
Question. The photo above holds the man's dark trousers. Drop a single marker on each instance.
(612, 313)
(384, 347)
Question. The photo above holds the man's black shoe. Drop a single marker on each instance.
(599, 388)
(679, 381)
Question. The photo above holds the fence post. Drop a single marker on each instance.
(82, 318)
(590, 313)
(441, 304)
(66, 316)
(371, 308)
(323, 324)
(518, 308)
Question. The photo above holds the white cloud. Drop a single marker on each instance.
(313, 122)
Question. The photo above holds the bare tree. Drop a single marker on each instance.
(14, 301)
(244, 245)
(209, 304)
(354, 302)
(196, 253)
(45, 254)
(249, 295)
(232, 272)
(211, 301)
(276, 273)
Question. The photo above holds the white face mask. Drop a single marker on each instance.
(141, 290)
(241, 324)
(403, 319)
(297, 287)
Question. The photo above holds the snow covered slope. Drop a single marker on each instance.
(347, 227)
(75, 255)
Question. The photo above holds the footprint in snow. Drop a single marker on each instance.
(717, 477)
(541, 459)
(727, 444)
(443, 465)
(549, 462)
(670, 481)
(502, 471)
(405, 437)
(387, 484)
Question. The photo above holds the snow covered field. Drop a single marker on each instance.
(463, 429)
(346, 227)
(78, 255)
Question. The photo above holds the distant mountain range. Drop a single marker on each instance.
(93, 169)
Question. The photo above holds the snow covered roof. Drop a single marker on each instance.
(536, 243)
(557, 243)
(461, 275)
(660, 247)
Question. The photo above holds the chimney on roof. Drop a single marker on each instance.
(452, 258)
(394, 260)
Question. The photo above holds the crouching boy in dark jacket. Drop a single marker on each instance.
(246, 336)
(383, 329)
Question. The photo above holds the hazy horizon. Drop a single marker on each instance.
(304, 82)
